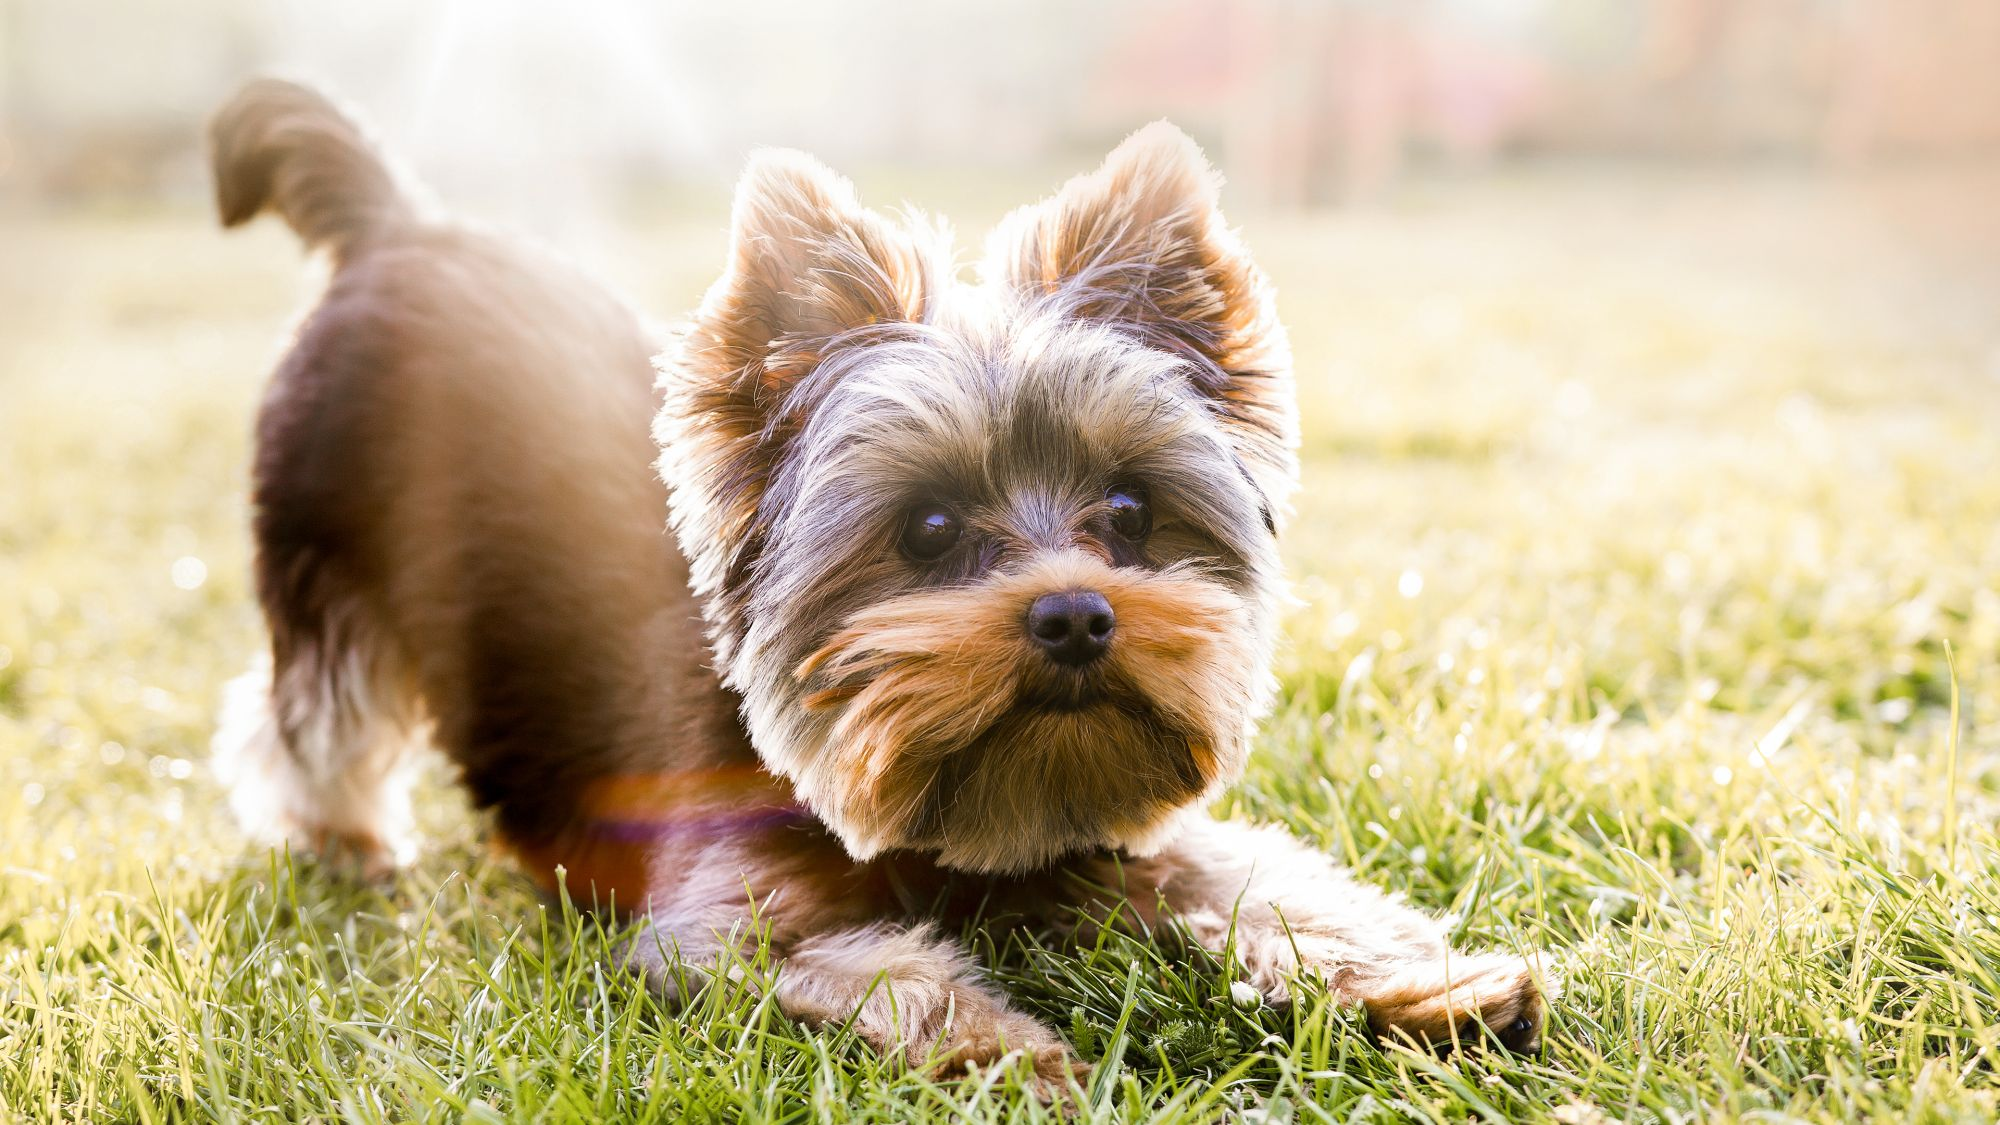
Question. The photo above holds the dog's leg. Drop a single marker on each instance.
(1292, 910)
(911, 990)
(316, 747)
(843, 957)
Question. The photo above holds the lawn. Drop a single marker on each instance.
(1648, 550)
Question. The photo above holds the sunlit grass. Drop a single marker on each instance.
(1626, 580)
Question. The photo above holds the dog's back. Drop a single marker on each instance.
(457, 517)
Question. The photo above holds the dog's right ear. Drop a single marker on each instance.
(809, 270)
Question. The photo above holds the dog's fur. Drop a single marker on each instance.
(801, 726)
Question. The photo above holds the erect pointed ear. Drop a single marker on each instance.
(806, 263)
(1141, 243)
(809, 271)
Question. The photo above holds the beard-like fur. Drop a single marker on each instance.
(947, 731)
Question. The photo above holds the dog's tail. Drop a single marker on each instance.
(283, 147)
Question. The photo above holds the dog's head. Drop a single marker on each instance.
(992, 565)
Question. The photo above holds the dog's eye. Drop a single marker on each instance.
(930, 530)
(1130, 517)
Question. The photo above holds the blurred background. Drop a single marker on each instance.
(575, 121)
(1308, 102)
(552, 116)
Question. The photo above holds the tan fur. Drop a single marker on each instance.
(459, 536)
(925, 678)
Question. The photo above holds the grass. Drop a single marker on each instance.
(1628, 558)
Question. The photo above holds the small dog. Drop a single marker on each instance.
(973, 607)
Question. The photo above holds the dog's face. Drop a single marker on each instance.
(992, 565)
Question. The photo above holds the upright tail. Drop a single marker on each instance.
(280, 146)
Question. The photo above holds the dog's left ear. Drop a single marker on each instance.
(1141, 243)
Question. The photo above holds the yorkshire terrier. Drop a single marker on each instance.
(973, 605)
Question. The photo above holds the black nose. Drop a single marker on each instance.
(1074, 628)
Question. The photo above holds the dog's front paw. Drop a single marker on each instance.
(979, 1036)
(906, 993)
(1456, 1000)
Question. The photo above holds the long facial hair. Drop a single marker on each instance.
(952, 733)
